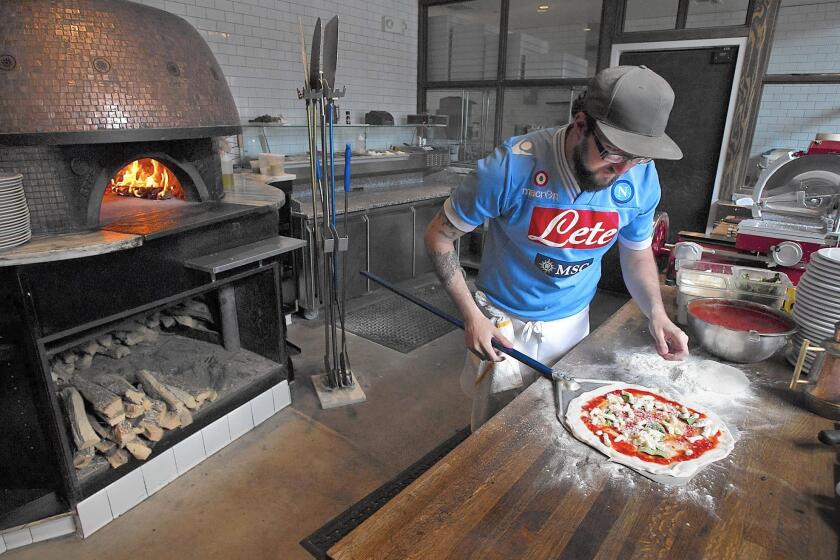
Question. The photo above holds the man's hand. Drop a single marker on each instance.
(478, 333)
(670, 341)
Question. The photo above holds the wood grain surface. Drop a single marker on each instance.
(522, 487)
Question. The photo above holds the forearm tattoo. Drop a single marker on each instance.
(446, 266)
(446, 262)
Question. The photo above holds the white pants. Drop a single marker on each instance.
(545, 341)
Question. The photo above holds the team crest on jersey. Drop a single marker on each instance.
(540, 178)
(622, 192)
(570, 228)
(553, 267)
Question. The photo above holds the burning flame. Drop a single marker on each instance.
(146, 178)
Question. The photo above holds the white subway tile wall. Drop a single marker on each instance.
(256, 43)
(807, 39)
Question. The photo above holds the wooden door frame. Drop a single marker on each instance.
(741, 42)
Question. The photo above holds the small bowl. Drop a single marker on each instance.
(748, 342)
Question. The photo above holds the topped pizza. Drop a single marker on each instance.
(649, 431)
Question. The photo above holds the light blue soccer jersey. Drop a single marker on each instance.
(542, 252)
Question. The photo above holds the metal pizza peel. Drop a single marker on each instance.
(567, 388)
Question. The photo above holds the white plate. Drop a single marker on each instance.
(15, 231)
(823, 277)
(824, 260)
(13, 220)
(16, 242)
(815, 312)
(811, 282)
(813, 332)
(8, 195)
(12, 208)
(808, 287)
(831, 254)
(12, 200)
(809, 300)
(824, 266)
(9, 176)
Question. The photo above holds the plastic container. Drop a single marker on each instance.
(703, 279)
(760, 285)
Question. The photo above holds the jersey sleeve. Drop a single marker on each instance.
(481, 195)
(638, 234)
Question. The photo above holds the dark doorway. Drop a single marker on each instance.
(702, 82)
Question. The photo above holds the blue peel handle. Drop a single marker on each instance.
(347, 168)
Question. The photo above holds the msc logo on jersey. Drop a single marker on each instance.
(540, 178)
(553, 267)
(622, 191)
(572, 229)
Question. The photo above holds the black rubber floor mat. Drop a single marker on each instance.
(400, 324)
(319, 542)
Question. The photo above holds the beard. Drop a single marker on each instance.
(587, 180)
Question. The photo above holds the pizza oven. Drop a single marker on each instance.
(113, 113)
(90, 86)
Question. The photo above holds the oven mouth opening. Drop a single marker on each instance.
(143, 186)
(145, 178)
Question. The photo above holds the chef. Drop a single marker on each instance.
(554, 201)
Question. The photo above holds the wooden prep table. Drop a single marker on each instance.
(522, 487)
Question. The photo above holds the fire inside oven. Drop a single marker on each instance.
(145, 185)
(145, 178)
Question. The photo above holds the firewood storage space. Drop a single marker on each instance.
(151, 345)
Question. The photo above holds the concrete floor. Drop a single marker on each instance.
(265, 492)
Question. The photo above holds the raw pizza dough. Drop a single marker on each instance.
(726, 442)
(713, 376)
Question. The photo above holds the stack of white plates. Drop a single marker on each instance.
(817, 306)
(14, 213)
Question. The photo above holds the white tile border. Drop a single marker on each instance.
(97, 511)
(53, 527)
(17, 538)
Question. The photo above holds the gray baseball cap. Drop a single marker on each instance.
(632, 105)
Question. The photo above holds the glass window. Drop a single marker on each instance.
(557, 39)
(807, 38)
(716, 13)
(647, 15)
(527, 109)
(463, 41)
(471, 113)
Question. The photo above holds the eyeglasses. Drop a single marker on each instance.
(617, 157)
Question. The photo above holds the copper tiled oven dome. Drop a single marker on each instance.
(74, 67)
(88, 86)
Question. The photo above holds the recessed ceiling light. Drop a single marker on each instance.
(542, 8)
(587, 28)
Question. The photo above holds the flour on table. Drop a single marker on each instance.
(690, 377)
(709, 375)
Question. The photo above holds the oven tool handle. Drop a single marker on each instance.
(513, 353)
(345, 357)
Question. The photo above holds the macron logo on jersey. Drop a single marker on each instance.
(571, 228)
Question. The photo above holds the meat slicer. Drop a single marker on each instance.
(796, 206)
(795, 210)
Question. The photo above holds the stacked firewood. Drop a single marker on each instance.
(116, 418)
(193, 314)
(120, 416)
